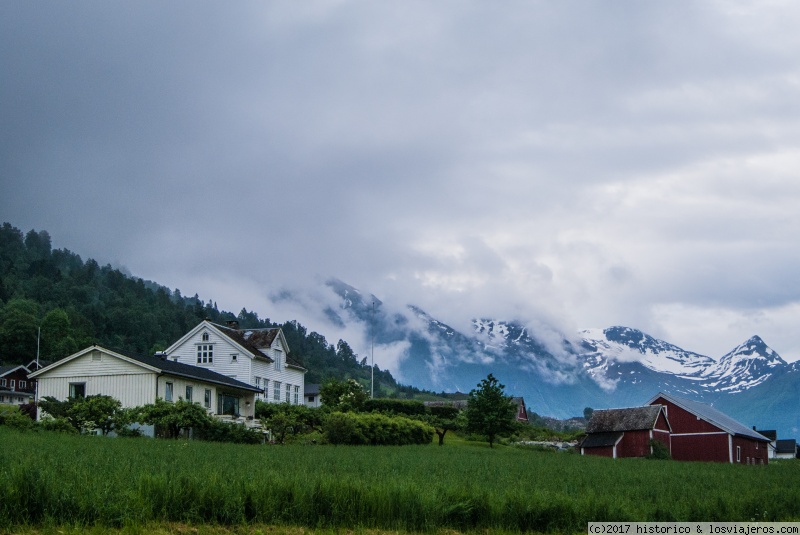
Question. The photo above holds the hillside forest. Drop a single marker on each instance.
(54, 302)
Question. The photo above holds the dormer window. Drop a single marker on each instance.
(205, 337)
(234, 357)
(278, 360)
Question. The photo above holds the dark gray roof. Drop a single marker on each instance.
(713, 416)
(187, 370)
(11, 367)
(787, 445)
(771, 434)
(630, 419)
(254, 340)
(311, 389)
(600, 440)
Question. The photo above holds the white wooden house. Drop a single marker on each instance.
(258, 357)
(137, 380)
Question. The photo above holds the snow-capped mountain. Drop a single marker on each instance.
(559, 374)
(748, 365)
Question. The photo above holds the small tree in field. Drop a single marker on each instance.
(490, 412)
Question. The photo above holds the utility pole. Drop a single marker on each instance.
(372, 350)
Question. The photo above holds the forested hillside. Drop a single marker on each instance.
(77, 303)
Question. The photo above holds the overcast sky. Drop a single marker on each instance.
(572, 163)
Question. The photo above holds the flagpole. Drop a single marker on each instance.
(372, 350)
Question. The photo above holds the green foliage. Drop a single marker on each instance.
(11, 416)
(134, 483)
(490, 412)
(343, 396)
(444, 419)
(171, 418)
(375, 429)
(587, 413)
(659, 450)
(394, 406)
(219, 431)
(97, 412)
(58, 425)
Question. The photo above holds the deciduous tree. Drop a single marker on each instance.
(490, 412)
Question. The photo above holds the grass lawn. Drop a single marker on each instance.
(56, 480)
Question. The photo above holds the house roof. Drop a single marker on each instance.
(256, 341)
(787, 445)
(771, 434)
(601, 440)
(311, 389)
(713, 416)
(629, 419)
(168, 367)
(5, 370)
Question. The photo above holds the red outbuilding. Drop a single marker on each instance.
(702, 433)
(625, 432)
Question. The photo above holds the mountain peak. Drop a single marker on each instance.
(747, 365)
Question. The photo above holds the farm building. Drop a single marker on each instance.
(137, 380)
(625, 432)
(702, 433)
(258, 357)
(15, 387)
(786, 448)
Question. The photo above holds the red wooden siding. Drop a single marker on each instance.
(751, 451)
(683, 421)
(700, 447)
(634, 444)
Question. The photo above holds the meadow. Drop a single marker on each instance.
(51, 479)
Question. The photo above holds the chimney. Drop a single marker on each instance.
(161, 355)
(233, 324)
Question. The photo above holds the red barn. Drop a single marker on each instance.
(625, 432)
(702, 433)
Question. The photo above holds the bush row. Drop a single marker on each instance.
(375, 429)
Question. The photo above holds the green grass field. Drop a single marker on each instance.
(51, 479)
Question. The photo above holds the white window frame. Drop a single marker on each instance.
(278, 360)
(288, 392)
(276, 391)
(189, 393)
(296, 395)
(205, 353)
(207, 399)
(169, 392)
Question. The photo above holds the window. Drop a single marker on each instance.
(278, 359)
(234, 357)
(738, 454)
(2, 382)
(168, 392)
(77, 390)
(311, 399)
(12, 384)
(189, 392)
(258, 381)
(205, 354)
(207, 399)
(205, 337)
(266, 388)
(297, 395)
(276, 393)
(23, 384)
(288, 391)
(227, 404)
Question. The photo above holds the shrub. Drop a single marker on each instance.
(659, 450)
(395, 406)
(13, 418)
(376, 429)
(218, 431)
(60, 425)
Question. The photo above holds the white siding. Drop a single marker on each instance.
(247, 368)
(131, 390)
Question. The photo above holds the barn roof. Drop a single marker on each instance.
(713, 416)
(600, 440)
(630, 419)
